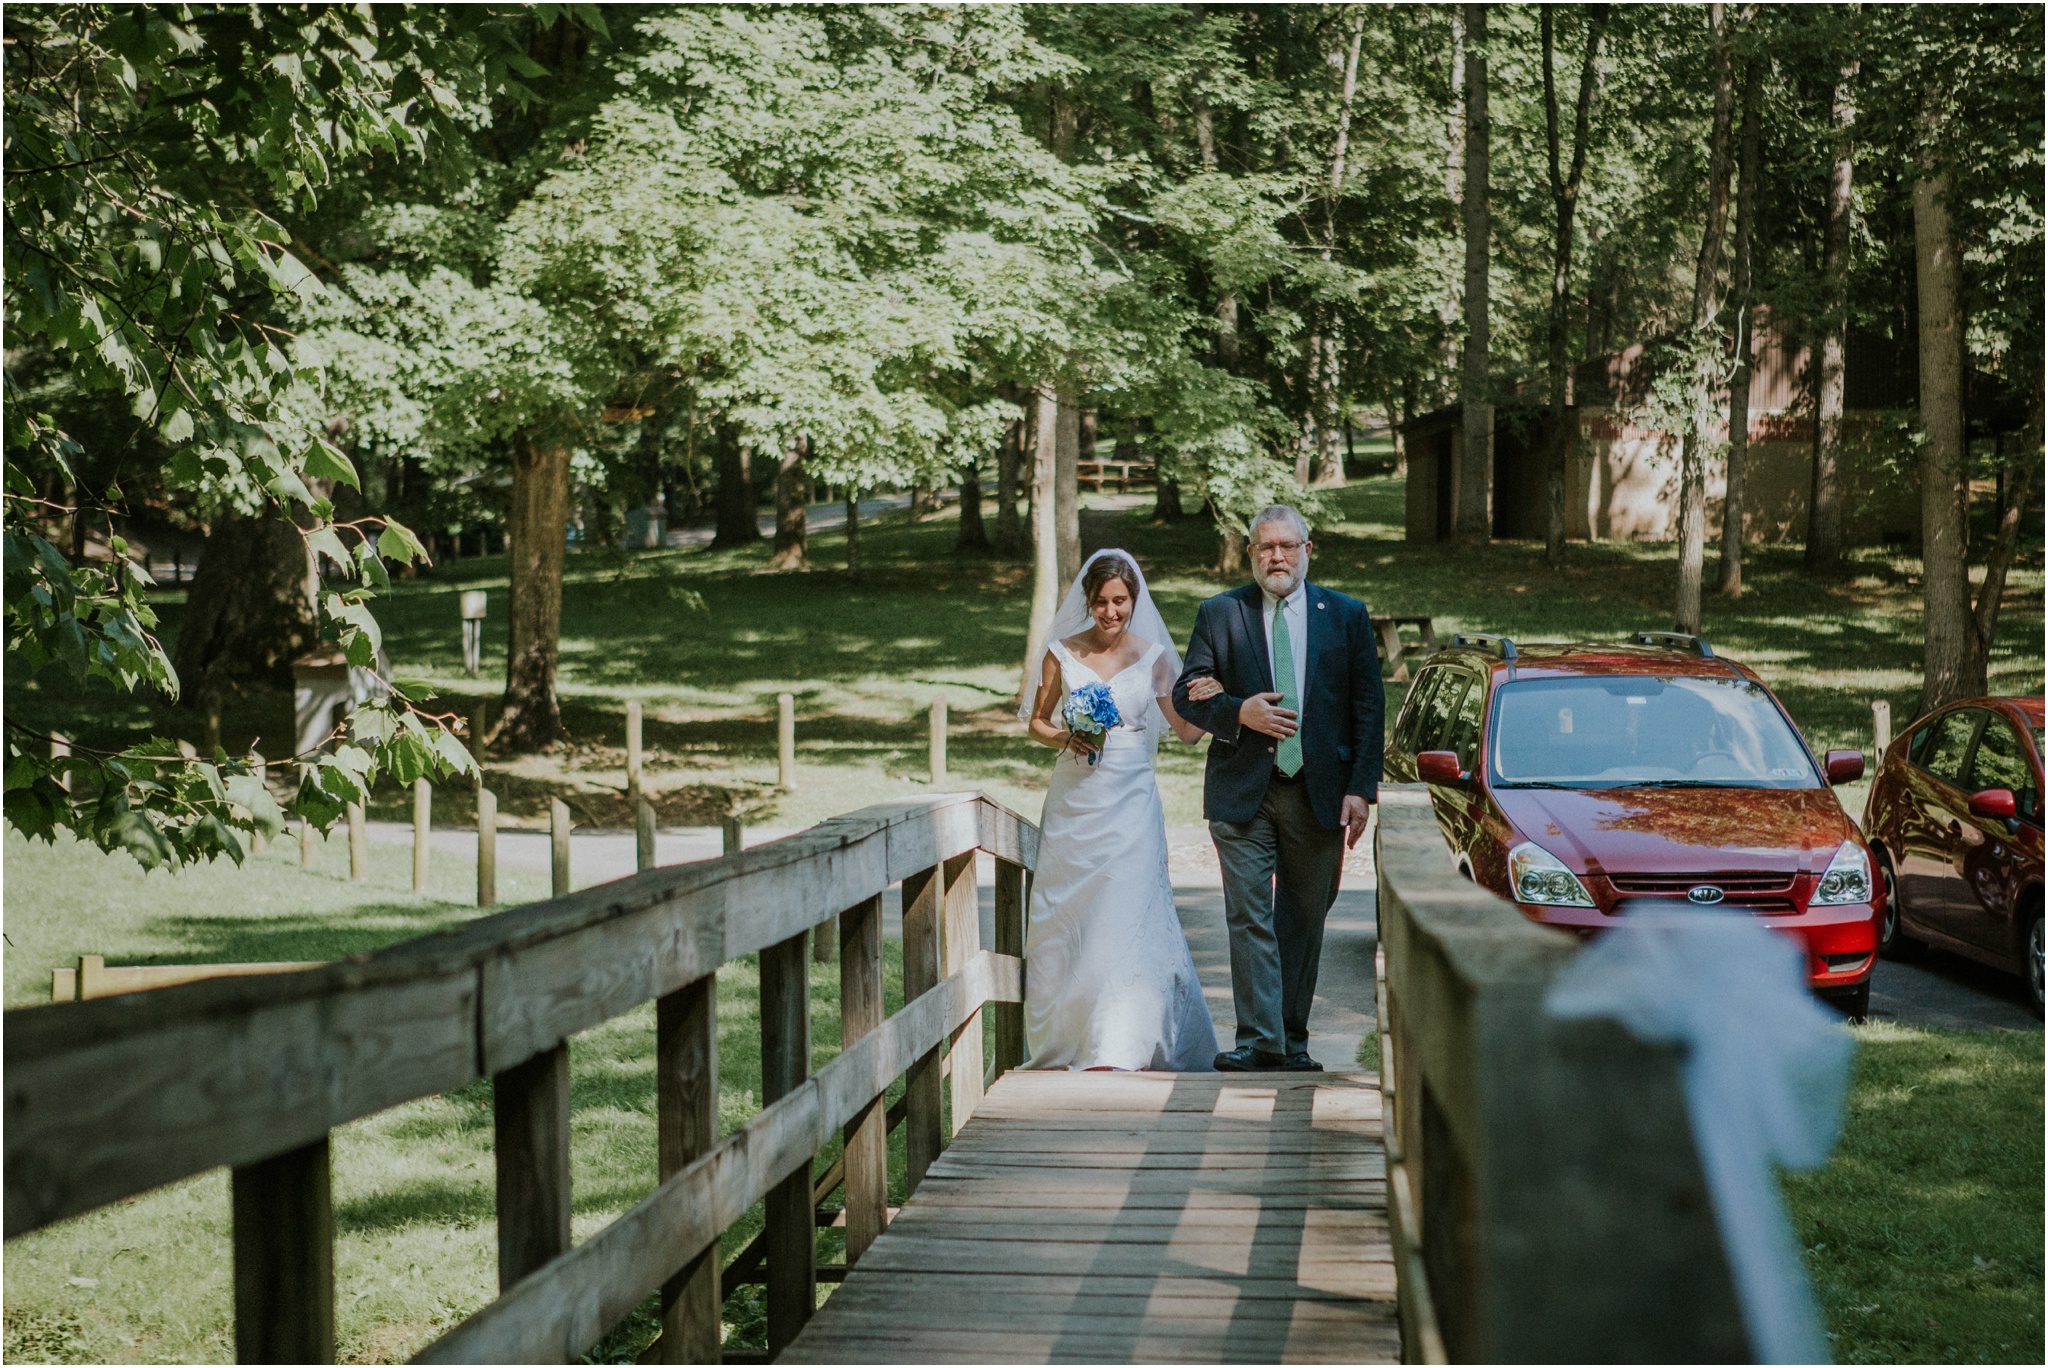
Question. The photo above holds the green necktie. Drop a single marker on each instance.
(1288, 757)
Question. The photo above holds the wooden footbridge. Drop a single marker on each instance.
(1046, 1217)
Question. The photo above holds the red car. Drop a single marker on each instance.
(1955, 819)
(1579, 781)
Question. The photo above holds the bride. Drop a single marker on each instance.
(1109, 982)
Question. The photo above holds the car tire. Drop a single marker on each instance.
(2033, 953)
(1892, 941)
(1853, 1003)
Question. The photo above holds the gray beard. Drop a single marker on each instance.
(1282, 590)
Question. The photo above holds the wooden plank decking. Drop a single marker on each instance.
(1118, 1218)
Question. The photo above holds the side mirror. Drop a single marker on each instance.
(1844, 766)
(1440, 767)
(1994, 803)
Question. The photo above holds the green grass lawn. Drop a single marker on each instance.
(1924, 1233)
(864, 660)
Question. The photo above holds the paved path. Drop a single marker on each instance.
(1135, 1218)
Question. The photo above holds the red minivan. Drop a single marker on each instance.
(1955, 818)
(1578, 781)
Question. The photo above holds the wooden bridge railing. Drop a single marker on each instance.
(254, 1073)
(1544, 1188)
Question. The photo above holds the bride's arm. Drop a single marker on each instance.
(1043, 729)
(1184, 729)
(1162, 684)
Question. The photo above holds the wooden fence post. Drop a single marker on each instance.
(422, 831)
(735, 834)
(306, 846)
(558, 828)
(938, 740)
(486, 847)
(530, 1106)
(961, 942)
(1009, 1016)
(358, 845)
(633, 749)
(284, 1258)
(1881, 731)
(867, 1135)
(922, 1139)
(686, 1110)
(785, 742)
(643, 834)
(791, 1234)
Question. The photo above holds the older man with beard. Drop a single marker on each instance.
(1293, 771)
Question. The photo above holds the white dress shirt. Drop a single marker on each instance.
(1296, 607)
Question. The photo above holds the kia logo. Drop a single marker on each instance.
(1706, 895)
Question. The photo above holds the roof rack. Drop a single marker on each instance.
(1675, 641)
(1504, 647)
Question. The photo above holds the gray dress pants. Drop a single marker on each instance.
(1280, 873)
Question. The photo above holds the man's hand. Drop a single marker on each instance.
(1261, 713)
(1355, 813)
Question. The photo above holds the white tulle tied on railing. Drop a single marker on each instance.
(1766, 1077)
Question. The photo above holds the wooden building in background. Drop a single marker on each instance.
(1621, 479)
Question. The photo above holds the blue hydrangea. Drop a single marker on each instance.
(1091, 711)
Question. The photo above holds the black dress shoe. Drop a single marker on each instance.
(1248, 1059)
(1299, 1062)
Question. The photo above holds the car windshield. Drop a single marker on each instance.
(1633, 731)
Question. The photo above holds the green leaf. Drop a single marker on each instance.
(324, 462)
(322, 541)
(398, 542)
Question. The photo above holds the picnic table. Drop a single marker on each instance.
(1394, 651)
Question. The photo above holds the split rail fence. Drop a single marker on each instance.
(254, 1073)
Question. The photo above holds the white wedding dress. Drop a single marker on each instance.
(1109, 982)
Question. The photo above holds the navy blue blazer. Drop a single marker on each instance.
(1343, 717)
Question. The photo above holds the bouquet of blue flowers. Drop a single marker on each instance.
(1091, 711)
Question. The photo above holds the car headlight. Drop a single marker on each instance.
(1540, 877)
(1847, 879)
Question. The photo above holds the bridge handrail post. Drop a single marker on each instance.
(792, 1235)
(1011, 901)
(530, 1116)
(961, 943)
(284, 1257)
(866, 1137)
(923, 893)
(686, 1112)
(1546, 1167)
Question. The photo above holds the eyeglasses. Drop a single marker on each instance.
(1267, 548)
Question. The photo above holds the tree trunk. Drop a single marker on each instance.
(538, 525)
(2020, 488)
(1229, 547)
(1824, 508)
(792, 497)
(250, 611)
(1751, 152)
(1226, 307)
(852, 533)
(1327, 466)
(1067, 489)
(1045, 580)
(737, 523)
(973, 533)
(1454, 175)
(1472, 522)
(1009, 536)
(1166, 505)
(1564, 194)
(1692, 461)
(1953, 667)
